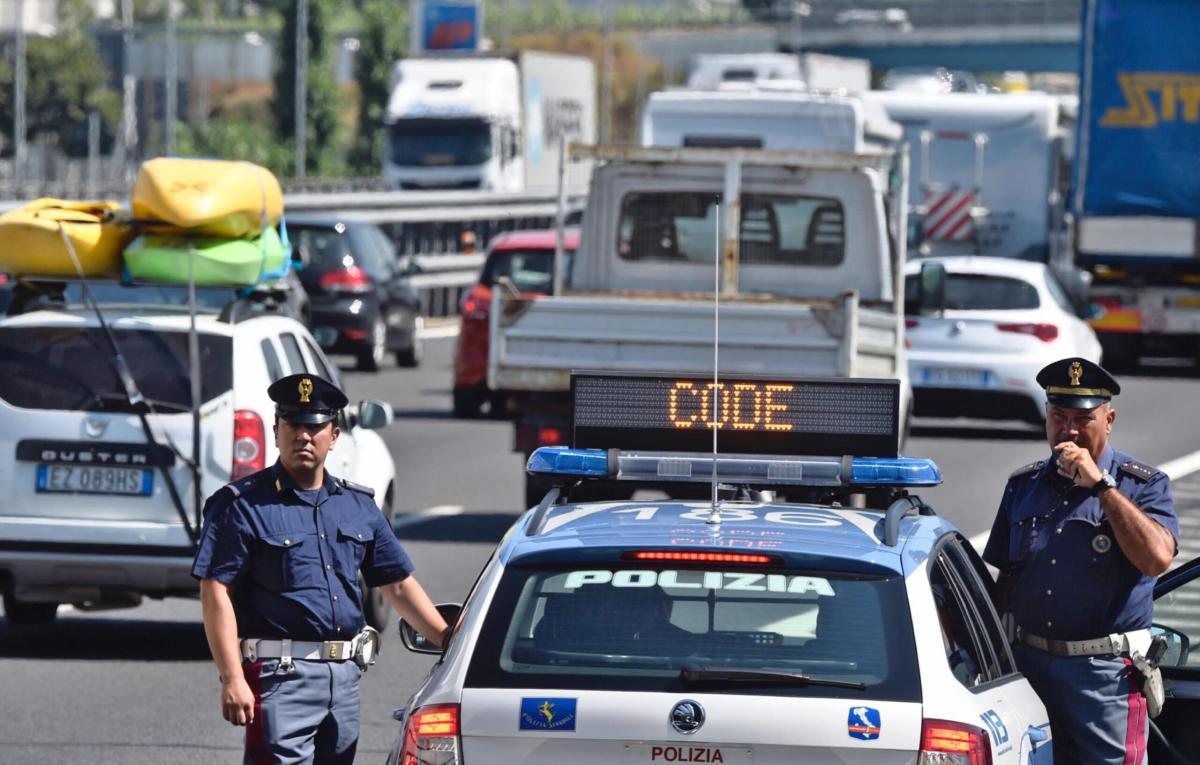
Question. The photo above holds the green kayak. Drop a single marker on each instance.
(218, 262)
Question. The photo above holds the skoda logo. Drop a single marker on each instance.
(687, 716)
(95, 426)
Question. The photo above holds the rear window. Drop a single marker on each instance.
(977, 292)
(636, 628)
(529, 270)
(775, 229)
(70, 368)
(322, 246)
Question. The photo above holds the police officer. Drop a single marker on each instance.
(278, 563)
(1078, 540)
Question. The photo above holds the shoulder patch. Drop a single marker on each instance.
(1139, 470)
(352, 486)
(1026, 469)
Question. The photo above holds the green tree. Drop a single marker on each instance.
(323, 155)
(383, 40)
(65, 80)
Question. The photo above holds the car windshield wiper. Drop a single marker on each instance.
(695, 675)
(119, 400)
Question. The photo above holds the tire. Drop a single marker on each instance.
(371, 357)
(411, 356)
(25, 612)
(466, 403)
(377, 609)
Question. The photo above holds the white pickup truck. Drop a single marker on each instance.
(810, 285)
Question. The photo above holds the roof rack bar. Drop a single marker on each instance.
(813, 160)
(901, 507)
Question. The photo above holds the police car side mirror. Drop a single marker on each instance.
(931, 289)
(416, 642)
(373, 415)
(1178, 646)
(1091, 312)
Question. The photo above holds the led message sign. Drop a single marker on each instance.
(752, 416)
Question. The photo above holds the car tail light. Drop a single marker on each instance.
(549, 436)
(352, 279)
(477, 302)
(1108, 301)
(249, 444)
(952, 743)
(911, 323)
(1043, 332)
(431, 737)
(355, 334)
(702, 557)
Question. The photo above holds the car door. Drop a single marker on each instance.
(1175, 736)
(1009, 709)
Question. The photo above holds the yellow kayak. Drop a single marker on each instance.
(210, 197)
(31, 242)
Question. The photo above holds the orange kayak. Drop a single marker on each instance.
(32, 238)
(209, 197)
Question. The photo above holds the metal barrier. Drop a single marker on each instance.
(442, 280)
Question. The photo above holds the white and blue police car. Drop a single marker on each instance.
(846, 623)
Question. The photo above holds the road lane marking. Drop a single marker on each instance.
(428, 514)
(1175, 470)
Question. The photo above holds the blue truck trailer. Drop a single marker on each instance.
(1136, 200)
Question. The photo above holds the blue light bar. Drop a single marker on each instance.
(894, 471)
(740, 468)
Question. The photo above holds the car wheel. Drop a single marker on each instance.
(25, 612)
(411, 356)
(371, 357)
(376, 607)
(466, 403)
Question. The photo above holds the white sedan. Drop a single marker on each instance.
(975, 350)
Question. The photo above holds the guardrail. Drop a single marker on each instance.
(442, 280)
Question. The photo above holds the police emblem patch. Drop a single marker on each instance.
(1101, 543)
(305, 388)
(864, 723)
(553, 714)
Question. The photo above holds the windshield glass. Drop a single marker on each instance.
(431, 143)
(775, 229)
(631, 628)
(529, 270)
(70, 367)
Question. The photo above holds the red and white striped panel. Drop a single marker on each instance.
(948, 216)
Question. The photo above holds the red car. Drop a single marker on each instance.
(526, 258)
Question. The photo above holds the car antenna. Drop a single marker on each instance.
(714, 514)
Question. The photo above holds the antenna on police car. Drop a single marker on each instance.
(714, 515)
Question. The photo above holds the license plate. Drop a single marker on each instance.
(691, 753)
(974, 378)
(79, 479)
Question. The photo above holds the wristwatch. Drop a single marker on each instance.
(1105, 483)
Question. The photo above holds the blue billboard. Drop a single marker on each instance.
(1138, 151)
(448, 25)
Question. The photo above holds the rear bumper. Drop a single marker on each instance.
(69, 561)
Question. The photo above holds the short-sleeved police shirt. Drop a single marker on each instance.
(1069, 578)
(293, 556)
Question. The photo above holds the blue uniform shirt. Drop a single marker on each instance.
(1069, 579)
(293, 556)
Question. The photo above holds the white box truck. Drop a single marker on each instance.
(486, 123)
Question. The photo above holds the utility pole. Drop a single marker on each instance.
(606, 77)
(172, 79)
(129, 128)
(301, 86)
(19, 99)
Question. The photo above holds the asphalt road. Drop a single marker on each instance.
(137, 686)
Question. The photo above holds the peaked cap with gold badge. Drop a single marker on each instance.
(306, 399)
(1077, 383)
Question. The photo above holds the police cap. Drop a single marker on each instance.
(306, 399)
(1076, 383)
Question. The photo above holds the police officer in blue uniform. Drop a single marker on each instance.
(1078, 540)
(278, 563)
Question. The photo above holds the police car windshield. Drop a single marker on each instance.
(626, 627)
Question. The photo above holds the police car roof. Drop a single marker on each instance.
(812, 536)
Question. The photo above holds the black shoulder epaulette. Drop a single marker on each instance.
(239, 487)
(1024, 469)
(1139, 470)
(352, 486)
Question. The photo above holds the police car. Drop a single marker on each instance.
(97, 515)
(845, 623)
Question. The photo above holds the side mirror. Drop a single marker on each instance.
(1091, 311)
(416, 642)
(373, 415)
(931, 289)
(1178, 646)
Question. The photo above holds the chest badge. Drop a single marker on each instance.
(1102, 543)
